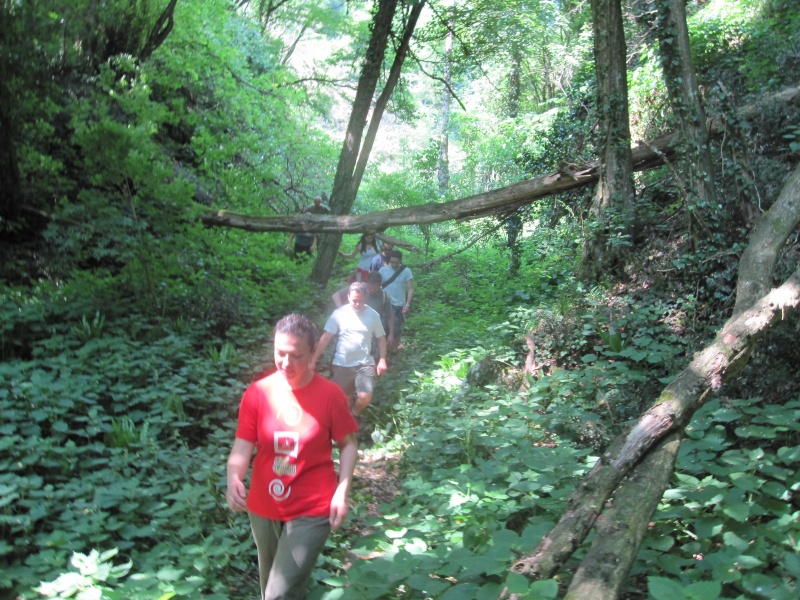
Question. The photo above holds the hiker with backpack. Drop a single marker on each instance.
(398, 281)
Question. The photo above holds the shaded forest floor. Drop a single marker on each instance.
(376, 483)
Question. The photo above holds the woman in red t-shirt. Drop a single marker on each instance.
(295, 496)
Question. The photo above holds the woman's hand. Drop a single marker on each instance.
(236, 495)
(238, 463)
(338, 508)
(348, 454)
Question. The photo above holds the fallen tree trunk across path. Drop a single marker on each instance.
(645, 156)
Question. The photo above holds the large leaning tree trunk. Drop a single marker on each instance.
(645, 156)
(618, 496)
(355, 154)
(612, 212)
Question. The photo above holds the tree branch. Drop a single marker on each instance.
(469, 245)
(160, 31)
(439, 79)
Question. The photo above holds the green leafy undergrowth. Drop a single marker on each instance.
(114, 436)
(481, 482)
(732, 517)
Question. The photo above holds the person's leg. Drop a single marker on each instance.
(399, 319)
(345, 378)
(364, 382)
(300, 544)
(266, 533)
(301, 252)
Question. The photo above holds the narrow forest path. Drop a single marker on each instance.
(375, 483)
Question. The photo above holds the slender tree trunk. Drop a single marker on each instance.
(349, 175)
(514, 220)
(668, 25)
(10, 187)
(514, 84)
(160, 31)
(340, 202)
(612, 213)
(443, 163)
(383, 99)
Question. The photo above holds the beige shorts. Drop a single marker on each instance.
(352, 380)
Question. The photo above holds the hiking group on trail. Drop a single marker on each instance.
(372, 309)
(290, 419)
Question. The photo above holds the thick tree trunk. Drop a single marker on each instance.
(673, 409)
(612, 212)
(341, 201)
(10, 187)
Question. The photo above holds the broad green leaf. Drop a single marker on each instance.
(745, 561)
(703, 590)
(662, 588)
(544, 589)
(169, 573)
(662, 543)
(516, 583)
(756, 431)
(427, 584)
(738, 511)
(460, 592)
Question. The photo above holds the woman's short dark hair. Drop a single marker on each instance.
(299, 326)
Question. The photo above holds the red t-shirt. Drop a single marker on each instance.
(293, 473)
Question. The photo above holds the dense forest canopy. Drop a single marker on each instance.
(597, 394)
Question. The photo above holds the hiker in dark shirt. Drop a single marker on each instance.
(317, 207)
(305, 243)
(382, 259)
